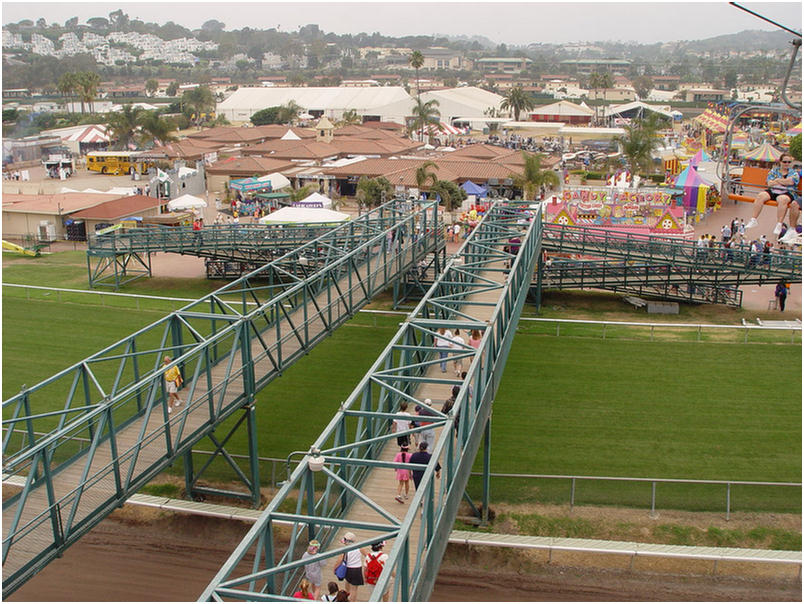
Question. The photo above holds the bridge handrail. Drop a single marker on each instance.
(414, 342)
(149, 377)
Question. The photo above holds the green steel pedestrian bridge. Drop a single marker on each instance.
(121, 256)
(657, 267)
(88, 437)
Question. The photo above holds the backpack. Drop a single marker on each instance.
(373, 569)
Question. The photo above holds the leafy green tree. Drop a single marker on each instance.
(601, 79)
(350, 116)
(451, 194)
(373, 191)
(795, 147)
(155, 128)
(269, 115)
(642, 86)
(172, 89)
(10, 115)
(198, 100)
(638, 144)
(124, 125)
(425, 175)
(534, 177)
(424, 115)
(517, 100)
(299, 194)
(416, 60)
(289, 112)
(151, 86)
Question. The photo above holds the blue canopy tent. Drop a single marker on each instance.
(473, 189)
(251, 184)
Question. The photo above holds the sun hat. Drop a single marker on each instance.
(349, 537)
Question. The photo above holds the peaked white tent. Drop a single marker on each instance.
(304, 216)
(314, 200)
(290, 136)
(186, 202)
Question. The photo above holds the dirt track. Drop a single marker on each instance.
(154, 556)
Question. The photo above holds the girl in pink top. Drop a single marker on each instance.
(402, 476)
(474, 338)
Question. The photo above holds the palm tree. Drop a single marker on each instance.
(87, 85)
(289, 111)
(299, 194)
(600, 80)
(68, 86)
(124, 125)
(416, 61)
(533, 177)
(425, 114)
(350, 116)
(199, 100)
(155, 128)
(638, 144)
(517, 100)
(423, 175)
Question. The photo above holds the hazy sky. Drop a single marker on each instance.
(511, 22)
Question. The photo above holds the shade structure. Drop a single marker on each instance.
(700, 156)
(269, 182)
(739, 140)
(473, 189)
(794, 130)
(314, 200)
(186, 202)
(442, 127)
(764, 153)
(712, 120)
(304, 216)
(694, 189)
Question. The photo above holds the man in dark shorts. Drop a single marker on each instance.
(422, 457)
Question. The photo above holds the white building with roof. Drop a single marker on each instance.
(386, 103)
(465, 102)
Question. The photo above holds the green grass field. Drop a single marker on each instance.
(576, 404)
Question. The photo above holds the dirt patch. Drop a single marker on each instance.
(148, 555)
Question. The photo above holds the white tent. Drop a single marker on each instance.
(278, 181)
(291, 136)
(314, 200)
(186, 202)
(304, 216)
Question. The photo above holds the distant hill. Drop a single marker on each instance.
(765, 40)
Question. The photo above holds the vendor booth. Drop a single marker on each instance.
(304, 216)
(269, 182)
(315, 200)
(186, 202)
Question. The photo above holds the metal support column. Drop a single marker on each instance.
(484, 520)
(253, 455)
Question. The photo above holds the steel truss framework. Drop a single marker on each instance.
(477, 290)
(228, 345)
(117, 257)
(658, 266)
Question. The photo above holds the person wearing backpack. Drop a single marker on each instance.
(375, 562)
(781, 294)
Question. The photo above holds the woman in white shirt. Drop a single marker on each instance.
(443, 342)
(354, 566)
(457, 344)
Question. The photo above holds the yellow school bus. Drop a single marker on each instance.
(116, 162)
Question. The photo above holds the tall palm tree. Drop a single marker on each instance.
(423, 174)
(200, 100)
(517, 100)
(533, 177)
(124, 125)
(416, 61)
(87, 85)
(155, 128)
(289, 111)
(68, 86)
(425, 114)
(638, 144)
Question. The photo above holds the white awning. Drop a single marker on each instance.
(186, 202)
(304, 216)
